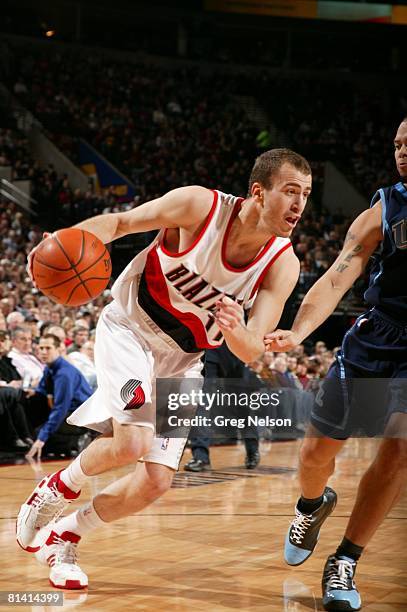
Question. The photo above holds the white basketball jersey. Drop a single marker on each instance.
(179, 290)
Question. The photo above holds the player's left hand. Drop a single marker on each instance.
(35, 449)
(229, 314)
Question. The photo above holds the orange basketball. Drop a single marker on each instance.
(71, 267)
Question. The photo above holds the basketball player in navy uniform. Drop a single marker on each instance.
(216, 255)
(376, 346)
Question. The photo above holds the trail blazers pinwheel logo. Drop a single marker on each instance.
(132, 394)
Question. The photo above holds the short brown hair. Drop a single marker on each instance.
(55, 340)
(269, 163)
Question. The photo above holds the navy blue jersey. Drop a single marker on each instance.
(388, 278)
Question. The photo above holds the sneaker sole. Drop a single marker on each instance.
(340, 606)
(73, 585)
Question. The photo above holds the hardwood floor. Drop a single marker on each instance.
(214, 542)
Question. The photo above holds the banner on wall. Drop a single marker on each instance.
(314, 9)
(276, 8)
(103, 174)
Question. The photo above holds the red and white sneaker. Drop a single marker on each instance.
(60, 553)
(45, 504)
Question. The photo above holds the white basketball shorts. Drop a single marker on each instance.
(129, 356)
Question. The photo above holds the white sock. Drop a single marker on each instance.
(81, 522)
(73, 476)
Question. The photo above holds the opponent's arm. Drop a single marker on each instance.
(362, 239)
(183, 207)
(246, 340)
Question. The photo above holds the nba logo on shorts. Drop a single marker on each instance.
(132, 394)
(164, 443)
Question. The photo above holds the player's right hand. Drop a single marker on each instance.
(30, 259)
(281, 340)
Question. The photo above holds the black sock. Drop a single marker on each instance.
(307, 506)
(349, 549)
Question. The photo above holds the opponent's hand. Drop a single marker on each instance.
(281, 340)
(36, 449)
(229, 314)
(30, 258)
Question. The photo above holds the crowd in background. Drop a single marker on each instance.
(162, 129)
(169, 127)
(339, 122)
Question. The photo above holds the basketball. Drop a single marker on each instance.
(71, 267)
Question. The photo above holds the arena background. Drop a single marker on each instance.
(106, 105)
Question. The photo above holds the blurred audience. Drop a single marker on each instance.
(64, 386)
(23, 359)
(84, 360)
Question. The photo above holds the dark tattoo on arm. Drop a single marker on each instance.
(349, 236)
(357, 249)
(341, 268)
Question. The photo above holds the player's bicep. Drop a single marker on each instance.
(362, 239)
(182, 207)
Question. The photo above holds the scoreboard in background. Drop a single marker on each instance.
(314, 9)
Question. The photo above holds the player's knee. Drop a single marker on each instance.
(130, 443)
(314, 454)
(124, 455)
(309, 458)
(128, 451)
(160, 478)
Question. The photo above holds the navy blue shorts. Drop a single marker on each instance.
(367, 383)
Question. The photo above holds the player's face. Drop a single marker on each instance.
(284, 203)
(400, 150)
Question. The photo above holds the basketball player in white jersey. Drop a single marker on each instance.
(216, 255)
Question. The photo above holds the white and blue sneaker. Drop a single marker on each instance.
(303, 534)
(339, 591)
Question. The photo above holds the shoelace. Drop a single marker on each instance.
(339, 572)
(300, 526)
(50, 505)
(65, 552)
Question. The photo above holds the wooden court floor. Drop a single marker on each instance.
(213, 546)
